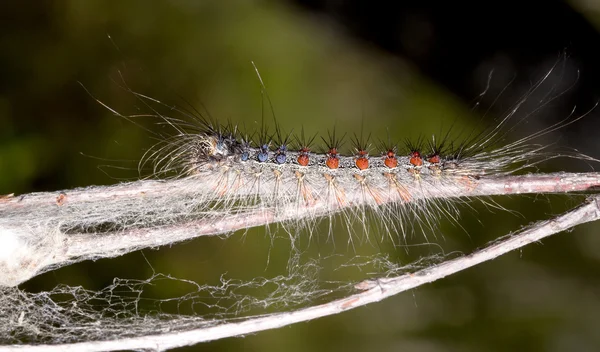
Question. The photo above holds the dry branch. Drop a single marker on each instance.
(369, 291)
(44, 231)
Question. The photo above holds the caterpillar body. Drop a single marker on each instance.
(238, 172)
(409, 189)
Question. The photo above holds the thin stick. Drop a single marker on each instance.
(371, 291)
(560, 182)
(34, 242)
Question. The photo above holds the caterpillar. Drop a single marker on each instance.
(409, 185)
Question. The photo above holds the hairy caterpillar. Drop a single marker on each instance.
(409, 186)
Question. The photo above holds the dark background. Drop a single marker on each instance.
(413, 70)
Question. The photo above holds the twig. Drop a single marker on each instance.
(371, 291)
(44, 231)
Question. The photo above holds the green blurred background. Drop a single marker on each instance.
(54, 135)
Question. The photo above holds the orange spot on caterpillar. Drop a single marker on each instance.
(415, 159)
(390, 159)
(362, 163)
(434, 159)
(332, 161)
(303, 156)
(303, 160)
